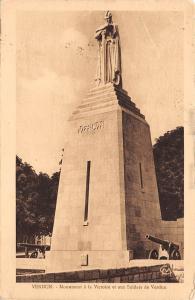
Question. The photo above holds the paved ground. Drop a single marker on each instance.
(30, 263)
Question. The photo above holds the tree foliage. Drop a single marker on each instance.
(169, 162)
(35, 201)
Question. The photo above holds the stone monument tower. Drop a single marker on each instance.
(108, 198)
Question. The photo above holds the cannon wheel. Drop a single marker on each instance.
(153, 254)
(175, 254)
(34, 254)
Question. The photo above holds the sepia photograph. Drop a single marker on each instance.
(99, 189)
(100, 151)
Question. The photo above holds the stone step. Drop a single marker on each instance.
(98, 101)
(93, 112)
(99, 96)
(130, 104)
(123, 101)
(126, 99)
(127, 106)
(105, 89)
(106, 96)
(102, 109)
(101, 91)
(101, 88)
(95, 107)
(119, 90)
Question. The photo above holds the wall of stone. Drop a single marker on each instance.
(122, 275)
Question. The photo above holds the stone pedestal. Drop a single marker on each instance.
(107, 199)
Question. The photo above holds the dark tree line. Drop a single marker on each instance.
(169, 162)
(35, 201)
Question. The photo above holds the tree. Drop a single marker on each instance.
(26, 198)
(169, 163)
(35, 201)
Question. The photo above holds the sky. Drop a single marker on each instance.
(56, 57)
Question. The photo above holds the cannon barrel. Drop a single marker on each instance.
(161, 242)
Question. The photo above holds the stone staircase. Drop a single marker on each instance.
(102, 97)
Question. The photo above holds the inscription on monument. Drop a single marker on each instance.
(91, 128)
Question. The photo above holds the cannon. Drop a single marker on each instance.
(35, 249)
(167, 249)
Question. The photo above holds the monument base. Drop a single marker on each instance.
(58, 261)
(107, 198)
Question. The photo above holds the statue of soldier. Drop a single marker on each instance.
(109, 62)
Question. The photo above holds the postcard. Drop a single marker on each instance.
(97, 168)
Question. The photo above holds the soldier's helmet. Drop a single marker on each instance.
(108, 15)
